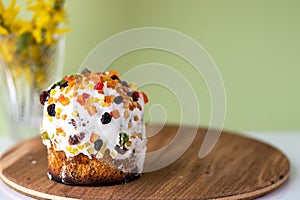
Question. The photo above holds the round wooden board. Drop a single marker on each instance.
(236, 168)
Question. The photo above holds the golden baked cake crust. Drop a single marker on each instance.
(81, 170)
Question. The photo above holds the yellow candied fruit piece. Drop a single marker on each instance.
(50, 118)
(75, 113)
(75, 151)
(58, 110)
(74, 93)
(68, 90)
(80, 146)
(87, 144)
(112, 154)
(90, 86)
(50, 100)
(103, 148)
(90, 150)
(96, 100)
(57, 115)
(103, 104)
(69, 149)
(52, 92)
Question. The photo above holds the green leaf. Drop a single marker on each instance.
(23, 42)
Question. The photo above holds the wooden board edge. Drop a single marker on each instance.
(29, 192)
(260, 192)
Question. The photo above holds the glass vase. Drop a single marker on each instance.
(26, 72)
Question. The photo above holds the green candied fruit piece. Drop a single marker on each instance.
(45, 135)
(123, 138)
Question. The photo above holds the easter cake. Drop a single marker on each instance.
(94, 130)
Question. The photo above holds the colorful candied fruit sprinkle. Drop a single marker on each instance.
(45, 135)
(115, 114)
(126, 114)
(75, 151)
(80, 100)
(135, 118)
(113, 72)
(52, 92)
(95, 78)
(123, 138)
(145, 97)
(69, 149)
(68, 90)
(58, 110)
(94, 137)
(63, 100)
(49, 118)
(92, 110)
(129, 125)
(64, 117)
(85, 96)
(108, 99)
(90, 150)
(99, 86)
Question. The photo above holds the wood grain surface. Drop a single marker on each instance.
(236, 168)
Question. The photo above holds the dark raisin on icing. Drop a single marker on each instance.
(65, 84)
(98, 144)
(120, 150)
(51, 110)
(106, 118)
(81, 135)
(73, 140)
(118, 99)
(124, 83)
(114, 77)
(135, 96)
(129, 94)
(44, 97)
(53, 86)
(73, 122)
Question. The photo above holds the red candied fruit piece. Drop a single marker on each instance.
(66, 78)
(145, 97)
(99, 86)
(80, 100)
(85, 96)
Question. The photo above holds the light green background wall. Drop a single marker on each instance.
(255, 44)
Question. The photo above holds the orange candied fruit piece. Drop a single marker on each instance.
(108, 99)
(113, 72)
(63, 100)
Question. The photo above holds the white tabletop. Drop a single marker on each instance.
(287, 142)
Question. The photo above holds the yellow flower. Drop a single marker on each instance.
(8, 16)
